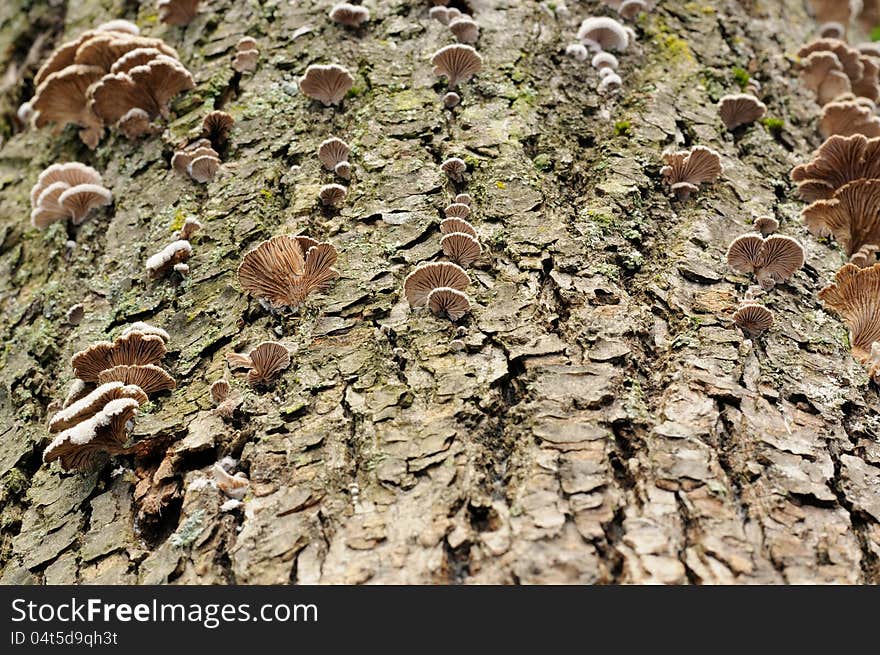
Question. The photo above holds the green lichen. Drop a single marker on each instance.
(189, 530)
(623, 128)
(543, 163)
(741, 77)
(774, 125)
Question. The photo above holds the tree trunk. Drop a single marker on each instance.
(596, 418)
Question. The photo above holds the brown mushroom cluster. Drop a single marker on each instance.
(602, 35)
(327, 84)
(333, 155)
(263, 364)
(773, 259)
(462, 25)
(830, 69)
(67, 192)
(200, 159)
(113, 380)
(109, 76)
(177, 12)
(686, 170)
(629, 9)
(457, 63)
(349, 15)
(247, 56)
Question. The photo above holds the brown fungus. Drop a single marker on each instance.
(455, 168)
(851, 215)
(333, 151)
(332, 195)
(448, 302)
(177, 12)
(465, 29)
(772, 260)
(428, 277)
(847, 118)
(86, 407)
(753, 319)
(766, 225)
(838, 160)
(457, 63)
(349, 15)
(461, 247)
(174, 253)
(327, 84)
(740, 109)
(264, 363)
(855, 297)
(687, 169)
(149, 377)
(452, 225)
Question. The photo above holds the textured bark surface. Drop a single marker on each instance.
(604, 421)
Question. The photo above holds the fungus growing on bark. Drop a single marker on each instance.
(457, 210)
(753, 86)
(343, 170)
(78, 390)
(602, 60)
(216, 128)
(838, 11)
(234, 486)
(246, 55)
(147, 329)
(135, 123)
(189, 229)
(460, 247)
(851, 215)
(865, 256)
(610, 81)
(177, 12)
(629, 9)
(449, 302)
(766, 225)
(439, 13)
(457, 63)
(685, 170)
(837, 161)
(349, 15)
(602, 33)
(578, 51)
(740, 109)
(264, 363)
(203, 168)
(225, 401)
(463, 199)
(753, 319)
(149, 377)
(428, 277)
(87, 443)
(279, 270)
(332, 152)
(451, 99)
(86, 407)
(823, 74)
(62, 98)
(453, 225)
(455, 168)
(332, 195)
(75, 314)
(197, 160)
(860, 70)
(855, 297)
(67, 191)
(465, 29)
(847, 118)
(772, 260)
(134, 348)
(327, 84)
(220, 391)
(119, 25)
(174, 253)
(832, 30)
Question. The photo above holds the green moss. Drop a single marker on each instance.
(543, 163)
(178, 219)
(355, 91)
(774, 125)
(623, 128)
(875, 33)
(741, 77)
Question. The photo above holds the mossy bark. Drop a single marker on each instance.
(600, 419)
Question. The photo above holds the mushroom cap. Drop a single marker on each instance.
(246, 43)
(603, 33)
(278, 271)
(847, 56)
(631, 8)
(454, 167)
(48, 208)
(461, 247)
(332, 195)
(220, 391)
(578, 51)
(94, 402)
(119, 25)
(766, 225)
(740, 109)
(146, 328)
(781, 257)
(149, 377)
(816, 68)
(427, 277)
(439, 13)
(838, 160)
(75, 314)
(609, 81)
(234, 486)
(691, 167)
(446, 301)
(451, 99)
(135, 123)
(839, 11)
(855, 297)
(832, 30)
(86, 443)
(744, 253)
(349, 15)
(604, 60)
(457, 210)
(463, 199)
(268, 360)
(867, 86)
(343, 170)
(79, 200)
(847, 118)
(217, 126)
(183, 158)
(753, 319)
(333, 151)
(246, 61)
(61, 98)
(851, 215)
(465, 29)
(452, 225)
(105, 48)
(457, 62)
(177, 12)
(132, 58)
(203, 168)
(684, 190)
(174, 253)
(71, 173)
(327, 84)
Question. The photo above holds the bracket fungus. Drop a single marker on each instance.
(578, 51)
(67, 191)
(197, 160)
(264, 363)
(285, 270)
(327, 84)
(225, 401)
(457, 63)
(453, 225)
(766, 225)
(62, 98)
(865, 256)
(610, 81)
(851, 215)
(457, 210)
(86, 407)
(465, 29)
(177, 12)
(455, 168)
(838, 160)
(847, 118)
(174, 253)
(463, 199)
(233, 486)
(772, 260)
(753, 319)
(740, 109)
(827, 61)
(246, 55)
(134, 348)
(332, 152)
(855, 297)
(89, 442)
(434, 275)
(349, 15)
(603, 33)
(461, 247)
(602, 60)
(685, 170)
(216, 128)
(332, 195)
(149, 377)
(449, 302)
(822, 73)
(147, 329)
(629, 9)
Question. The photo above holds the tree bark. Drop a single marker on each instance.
(596, 418)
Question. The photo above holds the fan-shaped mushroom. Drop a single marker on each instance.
(149, 377)
(428, 277)
(216, 127)
(264, 363)
(449, 302)
(855, 297)
(772, 260)
(455, 168)
(837, 161)
(332, 152)
(327, 84)
(174, 253)
(332, 195)
(94, 402)
(753, 319)
(457, 62)
(349, 15)
(603, 33)
(740, 109)
(465, 29)
(461, 247)
(766, 225)
(177, 12)
(233, 486)
(452, 225)
(851, 215)
(847, 118)
(687, 169)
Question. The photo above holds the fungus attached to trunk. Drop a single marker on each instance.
(602, 33)
(279, 271)
(465, 29)
(332, 195)
(327, 84)
(740, 109)
(233, 486)
(86, 407)
(629, 9)
(147, 329)
(457, 210)
(332, 152)
(452, 225)
(855, 297)
(428, 277)
(766, 225)
(822, 73)
(460, 247)
(216, 128)
(164, 260)
(455, 168)
(349, 15)
(772, 260)
(687, 169)
(62, 98)
(448, 302)
(602, 60)
(264, 363)
(451, 99)
(847, 118)
(67, 191)
(753, 319)
(837, 161)
(851, 215)
(457, 63)
(149, 377)
(177, 12)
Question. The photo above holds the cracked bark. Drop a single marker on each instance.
(604, 423)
